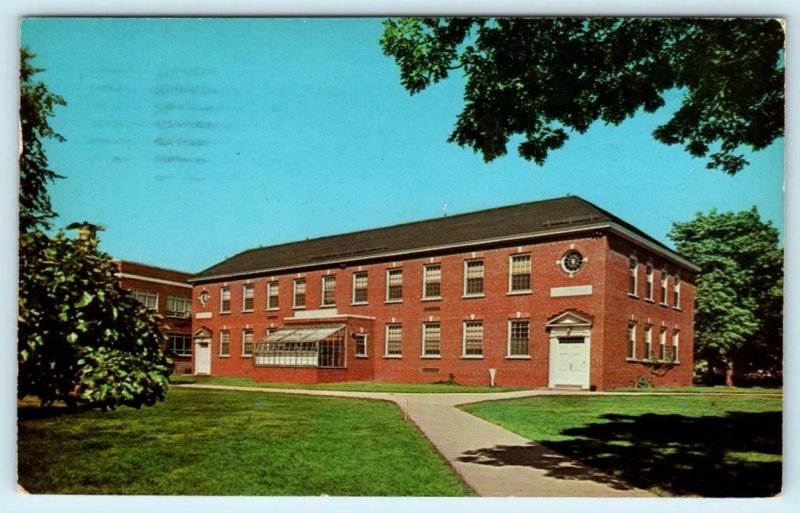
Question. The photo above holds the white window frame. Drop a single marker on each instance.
(248, 292)
(648, 342)
(425, 269)
(365, 288)
(386, 352)
(145, 297)
(676, 291)
(365, 352)
(527, 354)
(398, 271)
(664, 287)
(676, 335)
(222, 293)
(297, 282)
(464, 339)
(482, 278)
(425, 340)
(273, 291)
(185, 341)
(246, 354)
(662, 344)
(227, 341)
(181, 306)
(511, 258)
(328, 278)
(633, 274)
(630, 349)
(649, 281)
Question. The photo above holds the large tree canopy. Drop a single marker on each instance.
(543, 78)
(739, 312)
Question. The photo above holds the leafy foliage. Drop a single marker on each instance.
(544, 78)
(739, 313)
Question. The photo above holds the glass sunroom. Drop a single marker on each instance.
(314, 345)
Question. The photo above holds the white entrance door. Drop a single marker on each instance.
(202, 356)
(572, 362)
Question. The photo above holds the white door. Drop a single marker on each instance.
(202, 356)
(572, 363)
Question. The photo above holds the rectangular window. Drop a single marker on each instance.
(631, 355)
(662, 344)
(648, 293)
(247, 342)
(225, 300)
(432, 282)
(394, 285)
(519, 334)
(473, 278)
(431, 338)
(328, 291)
(179, 306)
(664, 285)
(676, 292)
(520, 274)
(676, 335)
(299, 294)
(633, 276)
(473, 338)
(179, 344)
(361, 344)
(648, 342)
(248, 293)
(394, 340)
(224, 343)
(148, 298)
(273, 289)
(360, 288)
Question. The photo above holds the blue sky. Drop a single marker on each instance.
(193, 139)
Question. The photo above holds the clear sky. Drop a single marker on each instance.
(191, 140)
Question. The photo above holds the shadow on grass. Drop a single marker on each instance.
(736, 455)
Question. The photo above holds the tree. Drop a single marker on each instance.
(739, 311)
(544, 78)
(82, 338)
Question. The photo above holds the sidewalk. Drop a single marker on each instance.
(495, 462)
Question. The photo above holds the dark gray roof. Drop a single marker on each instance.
(533, 218)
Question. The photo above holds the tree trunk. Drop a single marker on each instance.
(729, 373)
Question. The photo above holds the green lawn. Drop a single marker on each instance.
(228, 443)
(704, 390)
(350, 386)
(688, 445)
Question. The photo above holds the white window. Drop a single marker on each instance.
(648, 343)
(361, 345)
(394, 285)
(648, 293)
(519, 273)
(519, 335)
(664, 285)
(662, 344)
(631, 353)
(247, 342)
(633, 276)
(148, 298)
(273, 289)
(676, 292)
(431, 338)
(360, 288)
(224, 343)
(225, 300)
(676, 335)
(179, 344)
(394, 340)
(248, 293)
(473, 339)
(179, 306)
(473, 278)
(432, 282)
(328, 290)
(299, 294)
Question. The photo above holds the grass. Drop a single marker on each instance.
(683, 445)
(704, 390)
(202, 442)
(350, 386)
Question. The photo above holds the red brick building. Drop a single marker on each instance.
(167, 292)
(544, 294)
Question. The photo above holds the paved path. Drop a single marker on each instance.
(494, 461)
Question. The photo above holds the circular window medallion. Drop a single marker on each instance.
(572, 261)
(204, 298)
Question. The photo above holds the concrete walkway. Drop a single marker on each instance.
(494, 461)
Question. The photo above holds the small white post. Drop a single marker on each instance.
(492, 374)
(405, 411)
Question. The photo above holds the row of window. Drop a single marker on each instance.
(519, 281)
(179, 344)
(177, 306)
(518, 344)
(665, 353)
(633, 284)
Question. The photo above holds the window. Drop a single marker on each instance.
(394, 340)
(179, 306)
(648, 342)
(633, 276)
(299, 294)
(519, 333)
(572, 261)
(272, 295)
(431, 338)
(473, 278)
(662, 344)
(664, 284)
(224, 343)
(676, 335)
(328, 290)
(432, 282)
(631, 355)
(148, 298)
(247, 342)
(179, 344)
(361, 344)
(225, 300)
(676, 292)
(360, 288)
(248, 292)
(473, 338)
(519, 279)
(648, 292)
(394, 285)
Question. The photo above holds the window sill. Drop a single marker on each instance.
(471, 357)
(678, 308)
(393, 356)
(223, 356)
(328, 306)
(298, 308)
(178, 316)
(272, 309)
(248, 311)
(362, 357)
(664, 304)
(363, 303)
(437, 298)
(431, 357)
(472, 296)
(634, 296)
(225, 313)
(648, 300)
(393, 301)
(519, 293)
(517, 357)
(245, 356)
